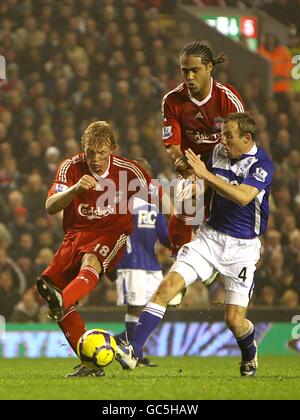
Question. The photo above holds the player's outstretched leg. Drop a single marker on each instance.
(151, 316)
(69, 321)
(131, 320)
(73, 326)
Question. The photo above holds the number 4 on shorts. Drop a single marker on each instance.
(243, 274)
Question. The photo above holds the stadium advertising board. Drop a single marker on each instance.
(171, 339)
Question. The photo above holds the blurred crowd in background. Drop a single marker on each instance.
(73, 62)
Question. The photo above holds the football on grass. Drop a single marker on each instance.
(96, 348)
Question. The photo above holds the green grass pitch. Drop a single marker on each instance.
(180, 378)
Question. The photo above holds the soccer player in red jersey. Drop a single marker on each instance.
(192, 117)
(95, 190)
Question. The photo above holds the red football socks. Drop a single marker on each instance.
(86, 280)
(73, 327)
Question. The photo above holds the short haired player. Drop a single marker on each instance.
(94, 189)
(240, 175)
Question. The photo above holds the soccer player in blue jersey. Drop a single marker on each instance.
(139, 272)
(240, 175)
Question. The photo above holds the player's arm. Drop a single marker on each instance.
(240, 194)
(60, 200)
(171, 136)
(174, 153)
(179, 161)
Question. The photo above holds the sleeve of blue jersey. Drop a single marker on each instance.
(162, 230)
(260, 175)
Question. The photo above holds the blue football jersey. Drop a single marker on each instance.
(254, 168)
(149, 226)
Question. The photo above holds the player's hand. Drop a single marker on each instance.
(186, 188)
(182, 166)
(196, 163)
(85, 183)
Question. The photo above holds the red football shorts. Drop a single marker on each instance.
(66, 263)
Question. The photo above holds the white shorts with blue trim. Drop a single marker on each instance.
(136, 287)
(213, 251)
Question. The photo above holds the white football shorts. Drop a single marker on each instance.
(136, 287)
(213, 251)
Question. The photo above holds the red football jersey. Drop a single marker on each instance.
(194, 124)
(108, 207)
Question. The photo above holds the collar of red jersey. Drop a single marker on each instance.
(201, 103)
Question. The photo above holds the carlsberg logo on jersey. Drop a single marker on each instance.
(92, 213)
(200, 138)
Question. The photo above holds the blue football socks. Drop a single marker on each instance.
(247, 345)
(149, 320)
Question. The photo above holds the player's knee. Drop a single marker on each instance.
(234, 321)
(92, 261)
